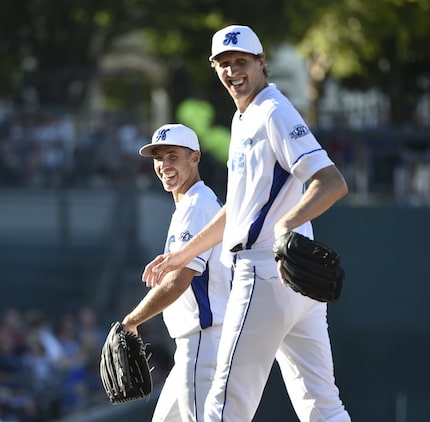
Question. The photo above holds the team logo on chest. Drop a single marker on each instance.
(185, 236)
(170, 241)
(238, 162)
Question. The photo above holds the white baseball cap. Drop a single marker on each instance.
(235, 38)
(171, 134)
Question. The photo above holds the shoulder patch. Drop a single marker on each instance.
(299, 131)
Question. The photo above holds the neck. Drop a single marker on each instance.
(179, 194)
(243, 103)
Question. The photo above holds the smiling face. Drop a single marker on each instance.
(177, 168)
(242, 74)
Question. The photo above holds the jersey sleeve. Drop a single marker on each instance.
(295, 147)
(191, 222)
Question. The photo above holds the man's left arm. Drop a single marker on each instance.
(326, 187)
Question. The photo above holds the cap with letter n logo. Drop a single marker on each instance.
(235, 38)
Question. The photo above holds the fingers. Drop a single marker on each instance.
(154, 279)
(130, 328)
(156, 270)
(153, 273)
(128, 325)
(281, 272)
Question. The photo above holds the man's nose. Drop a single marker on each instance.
(231, 69)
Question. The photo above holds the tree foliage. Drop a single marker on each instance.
(380, 44)
(53, 47)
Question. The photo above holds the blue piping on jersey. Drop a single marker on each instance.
(306, 153)
(280, 176)
(200, 286)
(195, 376)
(233, 351)
(201, 259)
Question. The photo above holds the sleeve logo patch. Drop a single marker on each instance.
(299, 131)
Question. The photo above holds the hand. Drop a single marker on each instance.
(282, 227)
(151, 275)
(281, 272)
(156, 270)
(131, 328)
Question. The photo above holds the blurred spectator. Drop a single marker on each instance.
(12, 327)
(38, 327)
(10, 362)
(17, 405)
(82, 337)
(42, 377)
(91, 336)
(106, 154)
(71, 365)
(16, 402)
(10, 162)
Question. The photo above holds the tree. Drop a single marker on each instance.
(53, 46)
(381, 44)
(51, 49)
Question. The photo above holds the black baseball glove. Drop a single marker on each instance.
(309, 267)
(124, 367)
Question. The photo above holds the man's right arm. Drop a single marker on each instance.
(156, 300)
(206, 239)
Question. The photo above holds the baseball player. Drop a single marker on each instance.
(193, 299)
(273, 156)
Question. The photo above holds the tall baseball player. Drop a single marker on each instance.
(272, 157)
(193, 299)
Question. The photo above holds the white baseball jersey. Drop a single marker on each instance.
(269, 143)
(272, 155)
(203, 304)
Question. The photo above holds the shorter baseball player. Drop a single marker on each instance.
(193, 299)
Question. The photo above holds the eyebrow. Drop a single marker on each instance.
(172, 150)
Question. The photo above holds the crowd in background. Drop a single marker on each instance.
(48, 369)
(54, 150)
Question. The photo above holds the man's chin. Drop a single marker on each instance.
(167, 188)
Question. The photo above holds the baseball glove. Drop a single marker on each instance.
(124, 367)
(309, 267)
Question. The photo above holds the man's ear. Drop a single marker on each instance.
(196, 157)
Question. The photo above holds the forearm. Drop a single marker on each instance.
(210, 236)
(326, 188)
(159, 298)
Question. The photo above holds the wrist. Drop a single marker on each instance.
(280, 230)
